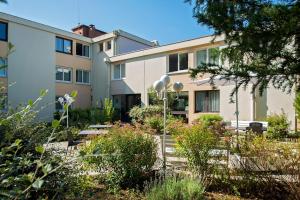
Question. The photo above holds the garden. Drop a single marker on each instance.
(204, 159)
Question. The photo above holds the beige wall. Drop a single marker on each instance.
(75, 62)
(279, 102)
(31, 67)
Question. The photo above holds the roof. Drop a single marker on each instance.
(43, 27)
(69, 34)
(169, 47)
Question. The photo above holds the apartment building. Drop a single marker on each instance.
(45, 57)
(120, 66)
(176, 60)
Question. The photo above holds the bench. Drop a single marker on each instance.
(243, 125)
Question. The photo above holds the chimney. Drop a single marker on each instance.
(88, 31)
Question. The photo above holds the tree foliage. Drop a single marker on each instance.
(262, 39)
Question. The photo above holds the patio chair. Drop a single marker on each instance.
(255, 127)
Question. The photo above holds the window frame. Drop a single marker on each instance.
(64, 68)
(206, 101)
(69, 53)
(83, 50)
(120, 74)
(5, 69)
(106, 45)
(6, 31)
(178, 62)
(83, 83)
(101, 47)
(207, 55)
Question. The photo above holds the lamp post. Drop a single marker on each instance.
(162, 86)
(66, 100)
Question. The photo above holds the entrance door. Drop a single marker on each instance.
(131, 101)
(123, 104)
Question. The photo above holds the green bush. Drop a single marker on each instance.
(139, 114)
(108, 110)
(210, 119)
(278, 126)
(125, 153)
(194, 143)
(176, 189)
(155, 122)
(28, 169)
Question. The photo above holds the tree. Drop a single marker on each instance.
(262, 39)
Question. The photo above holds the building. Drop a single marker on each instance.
(121, 66)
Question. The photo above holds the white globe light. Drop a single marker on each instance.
(177, 86)
(61, 100)
(158, 86)
(165, 79)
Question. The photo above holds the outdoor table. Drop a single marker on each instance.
(100, 126)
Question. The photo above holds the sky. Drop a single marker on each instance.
(167, 21)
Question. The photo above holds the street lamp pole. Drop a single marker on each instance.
(162, 86)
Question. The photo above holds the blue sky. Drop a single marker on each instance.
(164, 20)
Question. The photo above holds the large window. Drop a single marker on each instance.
(178, 62)
(82, 76)
(207, 101)
(206, 56)
(181, 102)
(63, 74)
(119, 71)
(82, 50)
(3, 67)
(3, 31)
(63, 45)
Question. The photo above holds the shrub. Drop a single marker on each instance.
(156, 123)
(108, 110)
(214, 122)
(176, 189)
(278, 126)
(195, 143)
(138, 114)
(28, 169)
(125, 153)
(210, 119)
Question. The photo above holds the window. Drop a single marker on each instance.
(207, 101)
(178, 62)
(82, 50)
(82, 76)
(108, 45)
(63, 74)
(181, 103)
(3, 67)
(210, 56)
(119, 71)
(64, 45)
(3, 31)
(101, 47)
(3, 101)
(201, 57)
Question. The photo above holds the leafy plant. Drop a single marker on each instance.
(139, 114)
(210, 119)
(278, 126)
(176, 189)
(155, 122)
(126, 154)
(108, 110)
(195, 143)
